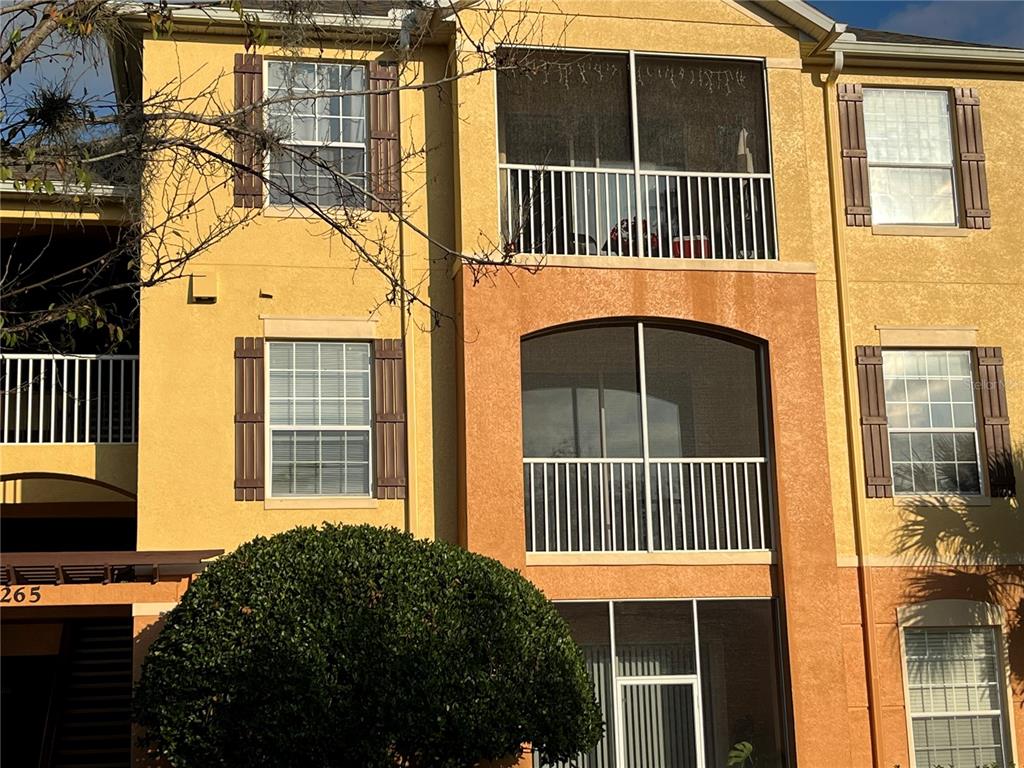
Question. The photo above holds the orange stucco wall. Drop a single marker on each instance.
(780, 309)
(893, 587)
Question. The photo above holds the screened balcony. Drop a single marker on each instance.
(642, 437)
(634, 155)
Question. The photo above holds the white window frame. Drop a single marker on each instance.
(619, 682)
(908, 430)
(635, 171)
(364, 145)
(951, 167)
(269, 428)
(938, 615)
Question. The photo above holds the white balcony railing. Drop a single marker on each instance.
(568, 211)
(69, 398)
(676, 505)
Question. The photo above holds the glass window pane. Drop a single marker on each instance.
(907, 126)
(899, 446)
(741, 702)
(911, 195)
(954, 671)
(588, 623)
(939, 386)
(703, 396)
(658, 726)
(581, 395)
(566, 110)
(701, 115)
(312, 393)
(654, 638)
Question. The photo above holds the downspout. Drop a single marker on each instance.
(849, 388)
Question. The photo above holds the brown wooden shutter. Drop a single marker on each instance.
(995, 421)
(385, 161)
(972, 158)
(248, 97)
(855, 155)
(874, 426)
(248, 419)
(389, 423)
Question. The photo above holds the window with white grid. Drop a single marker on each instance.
(956, 697)
(323, 129)
(933, 434)
(320, 413)
(910, 156)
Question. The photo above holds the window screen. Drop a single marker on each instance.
(566, 110)
(956, 713)
(910, 156)
(320, 418)
(324, 161)
(933, 435)
(701, 115)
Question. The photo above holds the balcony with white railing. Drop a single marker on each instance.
(661, 505)
(645, 437)
(69, 399)
(568, 211)
(635, 155)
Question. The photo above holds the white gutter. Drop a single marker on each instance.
(111, 191)
(219, 20)
(964, 53)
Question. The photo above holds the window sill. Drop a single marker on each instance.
(672, 265)
(917, 230)
(752, 557)
(941, 500)
(298, 212)
(321, 502)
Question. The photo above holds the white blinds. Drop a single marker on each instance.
(910, 156)
(320, 418)
(953, 679)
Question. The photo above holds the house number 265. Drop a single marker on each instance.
(20, 594)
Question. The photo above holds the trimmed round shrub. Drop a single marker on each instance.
(362, 646)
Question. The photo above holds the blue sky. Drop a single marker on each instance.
(996, 22)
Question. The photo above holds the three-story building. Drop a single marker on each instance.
(727, 362)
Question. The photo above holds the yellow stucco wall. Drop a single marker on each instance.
(282, 265)
(972, 280)
(114, 465)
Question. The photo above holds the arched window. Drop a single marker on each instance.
(624, 423)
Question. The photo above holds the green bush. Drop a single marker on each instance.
(361, 646)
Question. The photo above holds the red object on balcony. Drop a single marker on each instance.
(629, 246)
(691, 248)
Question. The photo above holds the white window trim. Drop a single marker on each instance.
(619, 682)
(951, 167)
(982, 492)
(952, 614)
(631, 55)
(364, 145)
(317, 500)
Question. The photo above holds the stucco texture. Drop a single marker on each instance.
(779, 309)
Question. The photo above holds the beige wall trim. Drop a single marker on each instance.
(318, 503)
(666, 264)
(939, 500)
(951, 613)
(318, 327)
(914, 230)
(151, 609)
(927, 336)
(651, 558)
(783, 64)
(895, 561)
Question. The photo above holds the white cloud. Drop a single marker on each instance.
(997, 22)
